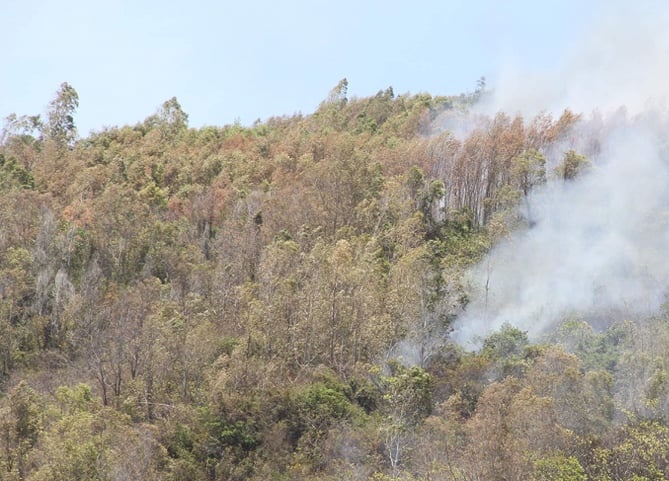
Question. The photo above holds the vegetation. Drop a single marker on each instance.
(275, 301)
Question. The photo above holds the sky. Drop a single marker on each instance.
(244, 61)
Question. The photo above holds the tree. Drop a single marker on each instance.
(512, 427)
(480, 90)
(170, 119)
(337, 95)
(407, 402)
(582, 402)
(118, 344)
(506, 350)
(572, 165)
(21, 425)
(60, 126)
(418, 300)
(528, 171)
(19, 127)
(638, 451)
(87, 442)
(330, 112)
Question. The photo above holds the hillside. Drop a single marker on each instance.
(282, 301)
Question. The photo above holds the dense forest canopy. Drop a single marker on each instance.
(283, 300)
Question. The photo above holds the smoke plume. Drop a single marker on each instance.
(598, 245)
(621, 61)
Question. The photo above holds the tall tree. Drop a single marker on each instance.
(60, 125)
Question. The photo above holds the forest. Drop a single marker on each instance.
(278, 301)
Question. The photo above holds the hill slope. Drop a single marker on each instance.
(276, 301)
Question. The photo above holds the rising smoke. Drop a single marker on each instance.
(621, 61)
(599, 245)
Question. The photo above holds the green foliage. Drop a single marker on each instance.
(408, 395)
(231, 431)
(597, 351)
(572, 165)
(25, 409)
(13, 175)
(529, 170)
(637, 452)
(407, 402)
(318, 406)
(559, 468)
(75, 400)
(509, 342)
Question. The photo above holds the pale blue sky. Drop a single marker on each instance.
(248, 60)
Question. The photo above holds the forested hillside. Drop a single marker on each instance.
(278, 302)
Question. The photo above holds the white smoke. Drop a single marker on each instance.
(621, 61)
(600, 245)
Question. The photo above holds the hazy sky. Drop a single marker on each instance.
(246, 60)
